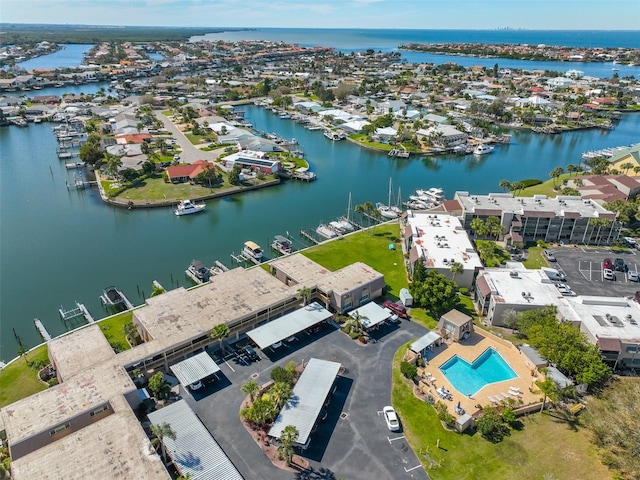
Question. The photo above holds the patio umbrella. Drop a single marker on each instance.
(458, 407)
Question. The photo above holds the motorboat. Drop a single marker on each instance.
(335, 136)
(282, 245)
(198, 272)
(386, 211)
(433, 195)
(326, 231)
(186, 207)
(483, 149)
(252, 250)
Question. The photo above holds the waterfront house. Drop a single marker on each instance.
(256, 161)
(188, 173)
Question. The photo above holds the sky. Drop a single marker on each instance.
(418, 14)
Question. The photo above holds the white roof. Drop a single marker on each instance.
(288, 325)
(308, 397)
(371, 314)
(441, 240)
(425, 341)
(194, 368)
(390, 131)
(356, 125)
(606, 317)
(194, 451)
(528, 287)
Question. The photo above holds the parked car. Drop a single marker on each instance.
(391, 418)
(176, 157)
(608, 274)
(396, 308)
(250, 353)
(196, 386)
(619, 265)
(549, 256)
(276, 345)
(632, 276)
(607, 263)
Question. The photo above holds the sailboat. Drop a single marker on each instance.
(386, 210)
(345, 222)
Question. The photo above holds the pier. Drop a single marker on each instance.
(80, 311)
(241, 258)
(41, 330)
(309, 237)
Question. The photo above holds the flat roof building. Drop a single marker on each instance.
(563, 218)
(440, 240)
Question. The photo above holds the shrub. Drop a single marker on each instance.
(491, 426)
(409, 370)
(464, 291)
(280, 374)
(530, 182)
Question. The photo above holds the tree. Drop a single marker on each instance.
(281, 374)
(505, 184)
(409, 370)
(555, 174)
(304, 294)
(162, 431)
(113, 164)
(288, 436)
(510, 318)
(419, 271)
(479, 227)
(436, 293)
(493, 226)
(91, 152)
(220, 332)
(548, 388)
(131, 332)
(280, 393)
(208, 176)
(491, 426)
(159, 386)
(250, 388)
(234, 175)
(456, 269)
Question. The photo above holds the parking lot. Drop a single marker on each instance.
(353, 441)
(583, 268)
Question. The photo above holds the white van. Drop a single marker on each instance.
(554, 275)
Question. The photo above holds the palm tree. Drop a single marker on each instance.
(220, 332)
(626, 166)
(250, 388)
(280, 393)
(287, 437)
(549, 389)
(505, 184)
(456, 268)
(477, 226)
(555, 174)
(304, 294)
(162, 431)
(636, 169)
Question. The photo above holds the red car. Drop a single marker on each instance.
(396, 308)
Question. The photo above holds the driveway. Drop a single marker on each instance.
(190, 153)
(353, 442)
(583, 269)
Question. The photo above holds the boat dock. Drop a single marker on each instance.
(241, 258)
(79, 311)
(305, 176)
(218, 268)
(309, 237)
(41, 330)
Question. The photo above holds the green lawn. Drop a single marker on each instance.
(18, 380)
(113, 328)
(198, 139)
(547, 447)
(364, 140)
(535, 259)
(545, 188)
(371, 247)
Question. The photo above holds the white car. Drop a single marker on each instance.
(608, 274)
(632, 276)
(196, 386)
(391, 418)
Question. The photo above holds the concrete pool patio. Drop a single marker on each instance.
(469, 350)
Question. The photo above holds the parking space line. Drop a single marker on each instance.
(393, 439)
(412, 468)
(229, 366)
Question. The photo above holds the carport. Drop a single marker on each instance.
(309, 395)
(425, 342)
(288, 325)
(194, 369)
(193, 450)
(370, 314)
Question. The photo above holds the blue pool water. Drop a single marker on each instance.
(468, 378)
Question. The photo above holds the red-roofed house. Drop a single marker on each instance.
(136, 138)
(188, 173)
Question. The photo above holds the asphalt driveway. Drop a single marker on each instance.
(583, 269)
(353, 442)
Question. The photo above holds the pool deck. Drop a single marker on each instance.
(469, 350)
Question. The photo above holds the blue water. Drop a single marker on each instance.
(70, 56)
(350, 40)
(468, 378)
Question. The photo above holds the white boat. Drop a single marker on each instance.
(433, 195)
(198, 272)
(335, 136)
(252, 250)
(282, 245)
(345, 222)
(186, 207)
(326, 231)
(388, 211)
(483, 149)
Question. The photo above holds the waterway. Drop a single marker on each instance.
(61, 246)
(71, 55)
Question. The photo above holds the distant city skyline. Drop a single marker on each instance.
(392, 14)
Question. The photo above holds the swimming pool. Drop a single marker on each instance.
(468, 378)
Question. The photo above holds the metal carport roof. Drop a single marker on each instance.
(371, 314)
(308, 397)
(425, 341)
(194, 451)
(194, 368)
(288, 325)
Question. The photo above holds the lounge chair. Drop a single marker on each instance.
(491, 399)
(514, 389)
(514, 394)
(505, 396)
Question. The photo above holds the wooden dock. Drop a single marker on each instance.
(43, 331)
(309, 237)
